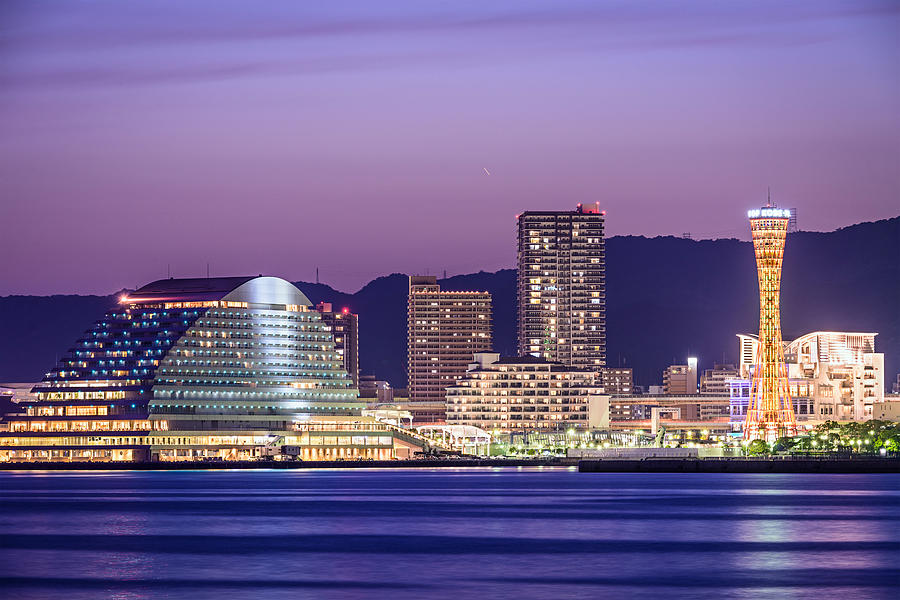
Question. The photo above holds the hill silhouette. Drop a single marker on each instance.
(667, 298)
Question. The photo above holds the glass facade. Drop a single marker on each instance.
(222, 368)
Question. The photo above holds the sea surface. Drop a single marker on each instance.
(479, 533)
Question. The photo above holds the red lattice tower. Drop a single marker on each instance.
(770, 413)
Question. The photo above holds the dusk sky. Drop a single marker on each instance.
(277, 137)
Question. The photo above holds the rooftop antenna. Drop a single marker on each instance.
(169, 270)
(207, 270)
(445, 273)
(769, 196)
(317, 275)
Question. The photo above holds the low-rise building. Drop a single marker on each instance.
(617, 380)
(681, 379)
(801, 399)
(526, 393)
(695, 407)
(375, 390)
(715, 381)
(889, 410)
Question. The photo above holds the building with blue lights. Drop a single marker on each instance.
(231, 368)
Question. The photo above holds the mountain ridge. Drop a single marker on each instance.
(667, 297)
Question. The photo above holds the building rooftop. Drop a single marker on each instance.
(592, 208)
(524, 360)
(205, 288)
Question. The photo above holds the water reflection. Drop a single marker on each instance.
(522, 533)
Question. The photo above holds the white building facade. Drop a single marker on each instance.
(843, 373)
(526, 394)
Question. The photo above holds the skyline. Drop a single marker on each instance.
(419, 299)
(134, 139)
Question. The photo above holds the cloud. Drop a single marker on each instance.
(142, 44)
(117, 25)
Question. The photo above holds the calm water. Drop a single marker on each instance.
(479, 533)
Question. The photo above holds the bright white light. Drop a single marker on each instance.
(776, 213)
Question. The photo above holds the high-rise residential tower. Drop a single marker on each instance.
(562, 286)
(770, 413)
(445, 330)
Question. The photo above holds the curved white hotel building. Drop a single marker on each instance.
(189, 369)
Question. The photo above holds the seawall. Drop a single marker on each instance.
(742, 465)
(273, 464)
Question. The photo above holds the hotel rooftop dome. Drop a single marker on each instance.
(221, 364)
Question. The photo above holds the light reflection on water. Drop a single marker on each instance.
(493, 533)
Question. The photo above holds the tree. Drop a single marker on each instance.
(757, 448)
(783, 444)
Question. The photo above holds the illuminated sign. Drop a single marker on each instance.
(776, 213)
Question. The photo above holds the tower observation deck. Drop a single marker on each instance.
(770, 414)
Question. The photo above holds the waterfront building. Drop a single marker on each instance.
(526, 393)
(188, 369)
(676, 428)
(675, 418)
(889, 410)
(802, 400)
(617, 380)
(739, 401)
(692, 407)
(562, 286)
(846, 372)
(770, 414)
(841, 370)
(345, 331)
(681, 379)
(445, 330)
(424, 413)
(715, 381)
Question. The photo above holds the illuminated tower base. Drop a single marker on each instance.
(770, 414)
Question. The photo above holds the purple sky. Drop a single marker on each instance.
(276, 137)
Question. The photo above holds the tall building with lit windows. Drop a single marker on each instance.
(191, 369)
(770, 412)
(562, 286)
(345, 331)
(445, 331)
